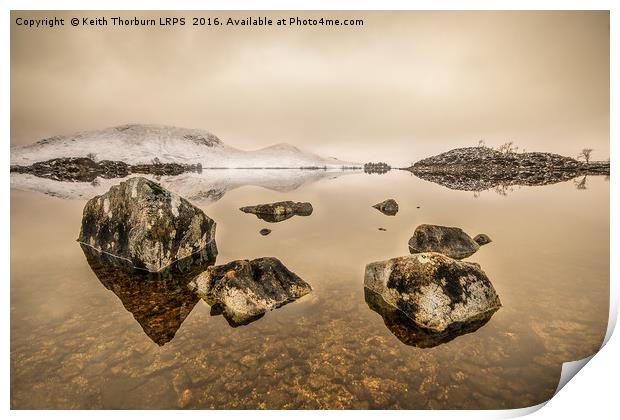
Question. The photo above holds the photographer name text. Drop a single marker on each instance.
(194, 21)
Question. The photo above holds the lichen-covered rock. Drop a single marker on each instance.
(450, 241)
(244, 290)
(388, 207)
(409, 333)
(146, 225)
(482, 239)
(279, 211)
(436, 292)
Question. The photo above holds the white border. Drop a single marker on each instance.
(595, 393)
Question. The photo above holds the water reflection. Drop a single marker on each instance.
(408, 332)
(503, 185)
(205, 187)
(160, 302)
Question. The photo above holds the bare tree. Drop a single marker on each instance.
(585, 154)
(481, 143)
(507, 148)
(91, 156)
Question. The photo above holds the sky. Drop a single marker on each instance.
(404, 86)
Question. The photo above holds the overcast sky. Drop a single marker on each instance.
(404, 86)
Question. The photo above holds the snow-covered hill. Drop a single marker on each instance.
(141, 143)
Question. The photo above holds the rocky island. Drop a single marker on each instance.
(85, 169)
(482, 168)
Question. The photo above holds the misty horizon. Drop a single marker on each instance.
(405, 86)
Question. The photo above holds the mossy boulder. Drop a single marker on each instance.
(147, 226)
(450, 241)
(244, 290)
(436, 292)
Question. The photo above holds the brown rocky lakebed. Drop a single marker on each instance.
(75, 343)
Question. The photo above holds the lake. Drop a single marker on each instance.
(81, 339)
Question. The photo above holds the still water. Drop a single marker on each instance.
(86, 340)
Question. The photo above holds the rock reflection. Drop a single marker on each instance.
(408, 332)
(160, 302)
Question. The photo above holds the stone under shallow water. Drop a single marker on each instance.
(279, 211)
(388, 207)
(436, 292)
(450, 241)
(409, 333)
(244, 290)
(146, 225)
(160, 302)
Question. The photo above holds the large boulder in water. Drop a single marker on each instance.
(409, 333)
(450, 241)
(279, 211)
(146, 226)
(388, 207)
(244, 290)
(436, 292)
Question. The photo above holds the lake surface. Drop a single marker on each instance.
(79, 343)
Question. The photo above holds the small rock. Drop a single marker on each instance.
(388, 207)
(482, 239)
(382, 229)
(185, 398)
(279, 211)
(450, 241)
(265, 232)
(248, 360)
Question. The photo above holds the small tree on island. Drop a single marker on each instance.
(507, 148)
(585, 154)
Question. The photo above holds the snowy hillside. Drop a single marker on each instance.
(141, 143)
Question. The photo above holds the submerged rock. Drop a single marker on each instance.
(388, 207)
(409, 333)
(450, 241)
(244, 290)
(159, 302)
(279, 211)
(265, 232)
(146, 225)
(437, 293)
(482, 239)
